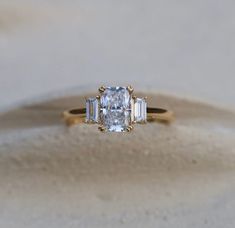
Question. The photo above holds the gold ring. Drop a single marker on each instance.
(116, 109)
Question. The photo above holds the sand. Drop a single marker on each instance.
(178, 175)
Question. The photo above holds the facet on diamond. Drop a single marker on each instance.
(92, 110)
(115, 98)
(116, 120)
(140, 110)
(115, 109)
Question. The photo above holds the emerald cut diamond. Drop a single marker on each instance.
(115, 109)
(140, 110)
(92, 110)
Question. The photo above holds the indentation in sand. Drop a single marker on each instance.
(82, 171)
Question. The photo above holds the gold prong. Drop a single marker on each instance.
(102, 129)
(134, 98)
(130, 89)
(98, 97)
(129, 128)
(102, 89)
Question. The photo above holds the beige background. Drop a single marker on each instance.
(183, 47)
(52, 53)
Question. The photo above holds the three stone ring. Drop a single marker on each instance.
(116, 109)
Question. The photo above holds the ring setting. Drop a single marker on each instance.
(116, 109)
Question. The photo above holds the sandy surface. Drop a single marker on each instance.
(179, 175)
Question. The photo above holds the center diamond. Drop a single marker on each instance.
(115, 109)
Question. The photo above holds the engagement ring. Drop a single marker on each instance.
(116, 109)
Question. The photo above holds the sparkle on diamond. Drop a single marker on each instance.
(115, 108)
(92, 111)
(140, 110)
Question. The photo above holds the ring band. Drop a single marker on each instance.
(116, 110)
(76, 115)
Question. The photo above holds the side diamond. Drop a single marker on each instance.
(92, 110)
(140, 110)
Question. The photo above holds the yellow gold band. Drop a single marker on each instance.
(76, 115)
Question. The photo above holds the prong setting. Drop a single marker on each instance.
(102, 128)
(130, 89)
(102, 89)
(134, 98)
(129, 128)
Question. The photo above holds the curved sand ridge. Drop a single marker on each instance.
(158, 174)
